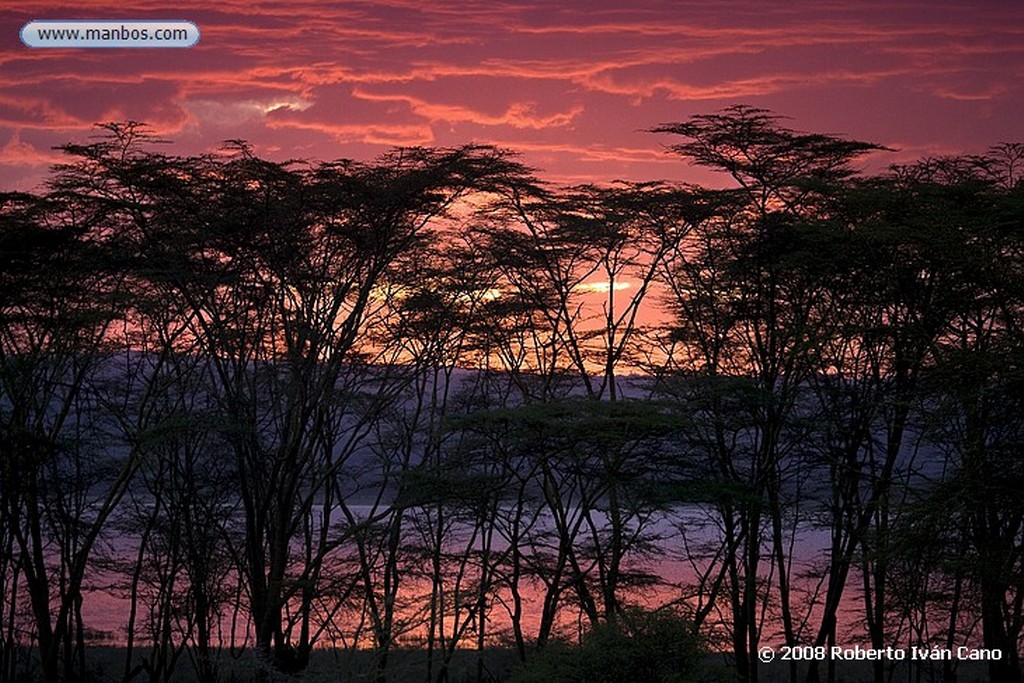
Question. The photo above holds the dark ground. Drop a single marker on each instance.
(410, 666)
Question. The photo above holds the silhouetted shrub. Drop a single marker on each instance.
(655, 647)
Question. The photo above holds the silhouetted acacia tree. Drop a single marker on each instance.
(750, 287)
(393, 400)
(62, 475)
(974, 395)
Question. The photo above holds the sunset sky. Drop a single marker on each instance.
(571, 85)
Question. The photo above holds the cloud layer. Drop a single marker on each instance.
(572, 85)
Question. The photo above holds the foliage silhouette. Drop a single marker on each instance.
(430, 400)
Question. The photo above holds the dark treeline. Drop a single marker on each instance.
(431, 401)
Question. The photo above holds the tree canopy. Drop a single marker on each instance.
(430, 401)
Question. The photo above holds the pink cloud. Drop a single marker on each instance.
(19, 153)
(517, 115)
(372, 133)
(569, 85)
